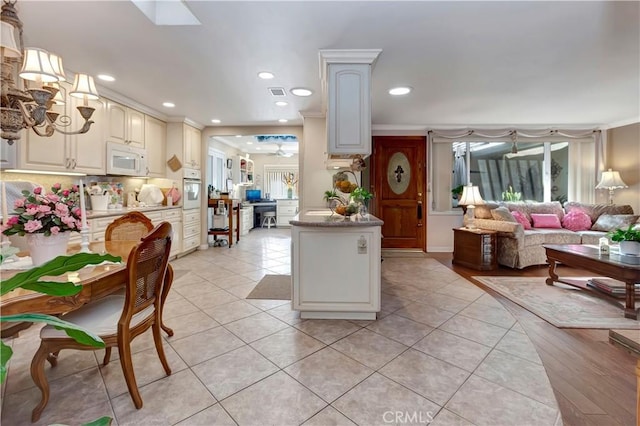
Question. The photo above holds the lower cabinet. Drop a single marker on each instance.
(246, 220)
(285, 211)
(174, 216)
(190, 230)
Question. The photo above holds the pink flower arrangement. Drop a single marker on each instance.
(48, 214)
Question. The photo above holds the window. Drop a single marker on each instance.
(274, 180)
(553, 170)
(216, 175)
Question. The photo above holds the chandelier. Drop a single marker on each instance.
(30, 106)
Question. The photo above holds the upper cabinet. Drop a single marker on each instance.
(192, 144)
(126, 125)
(183, 141)
(82, 153)
(347, 77)
(156, 142)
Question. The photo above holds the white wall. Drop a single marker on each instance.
(623, 155)
(317, 179)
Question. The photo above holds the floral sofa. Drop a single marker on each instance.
(576, 223)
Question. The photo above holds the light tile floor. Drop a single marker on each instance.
(443, 352)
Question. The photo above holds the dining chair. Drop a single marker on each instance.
(117, 319)
(131, 226)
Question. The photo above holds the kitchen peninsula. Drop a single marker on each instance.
(335, 265)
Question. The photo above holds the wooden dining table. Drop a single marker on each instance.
(97, 281)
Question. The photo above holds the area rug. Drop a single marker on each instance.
(561, 305)
(272, 287)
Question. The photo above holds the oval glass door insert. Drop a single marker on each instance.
(398, 173)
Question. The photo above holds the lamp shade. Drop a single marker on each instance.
(37, 66)
(83, 85)
(56, 64)
(8, 41)
(611, 180)
(470, 196)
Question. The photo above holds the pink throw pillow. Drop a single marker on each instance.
(521, 218)
(576, 220)
(545, 220)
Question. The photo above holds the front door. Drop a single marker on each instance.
(398, 181)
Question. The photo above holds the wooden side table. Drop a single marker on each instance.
(475, 248)
(230, 205)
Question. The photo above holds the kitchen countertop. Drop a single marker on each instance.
(325, 218)
(92, 214)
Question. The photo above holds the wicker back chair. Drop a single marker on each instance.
(117, 318)
(132, 226)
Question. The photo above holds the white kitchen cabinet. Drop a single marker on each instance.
(335, 269)
(183, 142)
(190, 230)
(349, 109)
(246, 219)
(192, 147)
(156, 142)
(174, 217)
(84, 153)
(285, 211)
(126, 125)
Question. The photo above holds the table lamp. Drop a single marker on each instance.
(469, 200)
(611, 180)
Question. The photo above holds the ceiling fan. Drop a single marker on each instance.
(281, 153)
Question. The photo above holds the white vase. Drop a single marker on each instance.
(630, 247)
(42, 248)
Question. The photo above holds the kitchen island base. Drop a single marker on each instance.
(336, 267)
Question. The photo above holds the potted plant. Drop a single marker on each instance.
(46, 220)
(511, 195)
(629, 239)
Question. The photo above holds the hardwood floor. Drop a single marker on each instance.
(593, 381)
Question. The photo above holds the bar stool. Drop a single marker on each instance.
(268, 218)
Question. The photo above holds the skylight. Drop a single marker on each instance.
(166, 12)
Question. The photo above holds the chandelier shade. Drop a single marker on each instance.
(56, 64)
(8, 41)
(84, 86)
(36, 66)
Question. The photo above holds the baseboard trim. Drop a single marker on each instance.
(403, 253)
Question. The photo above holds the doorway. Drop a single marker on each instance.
(398, 182)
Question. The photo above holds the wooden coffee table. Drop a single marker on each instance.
(589, 258)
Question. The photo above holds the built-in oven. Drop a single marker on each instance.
(192, 189)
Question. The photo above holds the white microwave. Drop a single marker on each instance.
(126, 160)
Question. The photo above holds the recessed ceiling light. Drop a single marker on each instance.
(258, 148)
(238, 136)
(301, 91)
(168, 104)
(282, 103)
(106, 77)
(216, 121)
(283, 120)
(249, 143)
(397, 91)
(266, 75)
